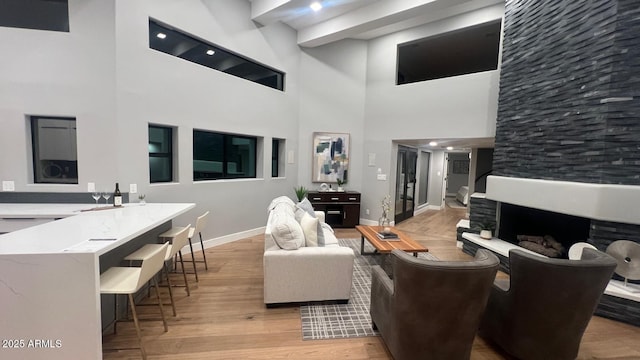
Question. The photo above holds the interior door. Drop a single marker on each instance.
(405, 183)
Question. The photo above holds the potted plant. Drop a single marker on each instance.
(301, 192)
(486, 228)
(340, 183)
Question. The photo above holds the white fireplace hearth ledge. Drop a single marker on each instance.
(496, 245)
(502, 247)
(605, 202)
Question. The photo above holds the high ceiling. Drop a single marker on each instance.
(357, 19)
(365, 20)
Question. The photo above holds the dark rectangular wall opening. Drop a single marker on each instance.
(35, 14)
(466, 51)
(518, 220)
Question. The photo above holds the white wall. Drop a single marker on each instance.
(158, 88)
(105, 75)
(456, 107)
(332, 83)
(60, 74)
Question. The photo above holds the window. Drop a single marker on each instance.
(465, 51)
(223, 156)
(35, 14)
(179, 44)
(277, 156)
(160, 154)
(54, 149)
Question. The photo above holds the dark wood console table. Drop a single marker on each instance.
(341, 208)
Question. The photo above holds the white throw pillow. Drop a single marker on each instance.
(305, 207)
(286, 231)
(309, 226)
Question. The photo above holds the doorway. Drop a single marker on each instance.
(405, 183)
(456, 184)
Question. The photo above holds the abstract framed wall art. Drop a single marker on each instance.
(330, 157)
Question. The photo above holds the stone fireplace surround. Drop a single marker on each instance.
(612, 210)
(567, 131)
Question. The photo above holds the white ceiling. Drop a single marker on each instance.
(357, 19)
(365, 20)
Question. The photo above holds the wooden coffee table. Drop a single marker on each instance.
(403, 242)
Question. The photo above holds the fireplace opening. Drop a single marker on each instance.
(539, 225)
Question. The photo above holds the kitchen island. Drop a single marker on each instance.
(50, 303)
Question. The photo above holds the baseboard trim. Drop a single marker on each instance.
(224, 239)
(368, 222)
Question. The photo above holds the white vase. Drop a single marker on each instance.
(486, 234)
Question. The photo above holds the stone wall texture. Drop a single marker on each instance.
(569, 105)
(481, 210)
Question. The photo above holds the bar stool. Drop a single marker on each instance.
(128, 280)
(201, 222)
(179, 239)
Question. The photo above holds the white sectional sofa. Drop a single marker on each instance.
(294, 269)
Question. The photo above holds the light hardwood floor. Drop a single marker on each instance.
(225, 318)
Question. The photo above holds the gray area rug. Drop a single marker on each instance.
(334, 321)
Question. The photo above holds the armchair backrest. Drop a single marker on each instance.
(557, 289)
(438, 305)
(550, 302)
(428, 282)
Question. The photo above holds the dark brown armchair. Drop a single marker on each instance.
(431, 309)
(542, 311)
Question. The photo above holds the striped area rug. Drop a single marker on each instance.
(334, 321)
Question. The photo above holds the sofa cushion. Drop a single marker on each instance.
(286, 231)
(309, 226)
(305, 207)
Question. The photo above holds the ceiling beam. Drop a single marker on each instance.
(266, 12)
(366, 19)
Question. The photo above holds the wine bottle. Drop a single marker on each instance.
(117, 196)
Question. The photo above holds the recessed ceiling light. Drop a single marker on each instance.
(161, 35)
(210, 52)
(316, 6)
(433, 143)
(449, 147)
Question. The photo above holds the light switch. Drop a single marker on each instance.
(372, 159)
(91, 187)
(133, 188)
(8, 186)
(290, 157)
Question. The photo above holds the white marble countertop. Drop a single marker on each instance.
(87, 232)
(20, 211)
